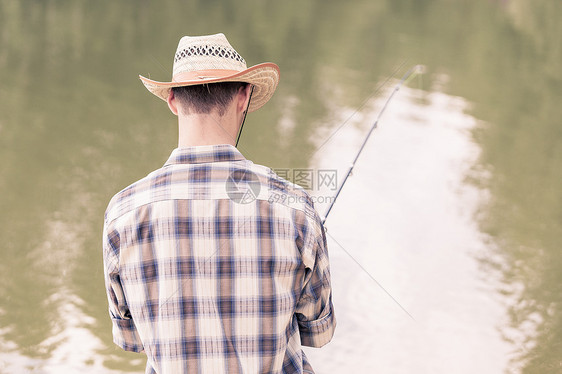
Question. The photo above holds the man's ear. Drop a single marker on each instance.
(244, 97)
(172, 102)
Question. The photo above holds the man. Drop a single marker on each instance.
(214, 264)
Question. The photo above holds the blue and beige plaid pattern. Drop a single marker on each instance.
(203, 284)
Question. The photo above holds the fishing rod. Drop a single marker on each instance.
(415, 70)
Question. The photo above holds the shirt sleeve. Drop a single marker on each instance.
(125, 334)
(314, 310)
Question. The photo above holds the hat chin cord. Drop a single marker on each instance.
(244, 118)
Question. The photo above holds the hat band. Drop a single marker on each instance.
(203, 75)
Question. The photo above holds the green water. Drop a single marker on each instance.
(76, 126)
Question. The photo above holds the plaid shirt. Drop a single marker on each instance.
(214, 264)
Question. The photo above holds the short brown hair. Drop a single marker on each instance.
(203, 98)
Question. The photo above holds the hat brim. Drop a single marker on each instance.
(264, 77)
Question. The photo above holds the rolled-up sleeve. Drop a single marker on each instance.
(125, 333)
(315, 314)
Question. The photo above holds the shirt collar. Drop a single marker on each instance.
(204, 154)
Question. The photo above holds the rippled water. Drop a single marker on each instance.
(452, 214)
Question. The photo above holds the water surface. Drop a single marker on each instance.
(454, 208)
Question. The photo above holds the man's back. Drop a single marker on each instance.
(205, 278)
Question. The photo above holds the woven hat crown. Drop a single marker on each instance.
(195, 53)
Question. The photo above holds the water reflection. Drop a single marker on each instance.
(523, 161)
(407, 217)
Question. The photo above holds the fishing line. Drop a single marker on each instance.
(360, 106)
(415, 70)
(372, 278)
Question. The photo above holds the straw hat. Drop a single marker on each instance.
(211, 59)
